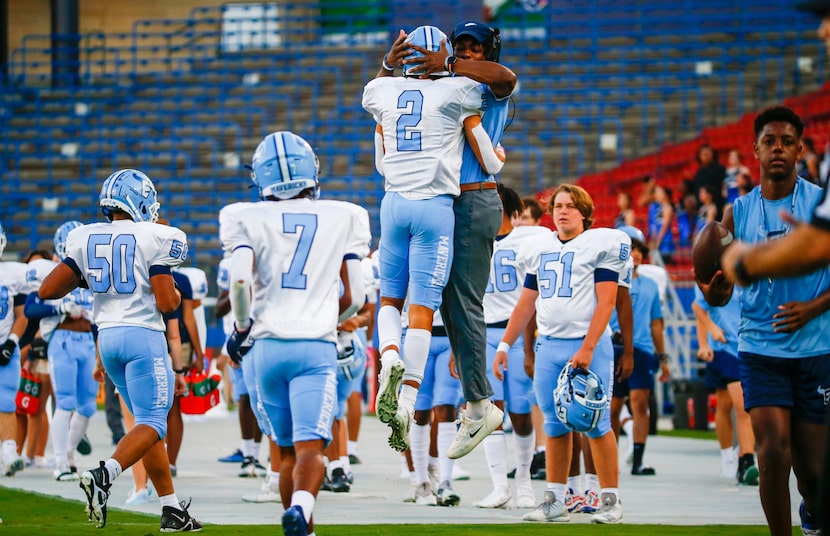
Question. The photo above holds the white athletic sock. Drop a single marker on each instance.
(170, 500)
(446, 433)
(304, 500)
(9, 450)
(346, 464)
(591, 482)
(558, 490)
(577, 484)
(113, 468)
(524, 454)
(389, 327)
(60, 435)
(613, 491)
(78, 425)
(247, 447)
(477, 408)
(495, 450)
(416, 353)
(419, 447)
(255, 452)
(351, 447)
(628, 428)
(727, 455)
(407, 396)
(273, 480)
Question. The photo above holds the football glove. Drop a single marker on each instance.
(6, 352)
(38, 350)
(239, 343)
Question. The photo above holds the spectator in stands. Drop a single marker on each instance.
(808, 166)
(784, 361)
(626, 215)
(710, 172)
(734, 168)
(708, 211)
(660, 222)
(688, 221)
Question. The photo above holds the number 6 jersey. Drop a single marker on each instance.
(116, 260)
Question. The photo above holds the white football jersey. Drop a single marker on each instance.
(198, 281)
(116, 260)
(36, 272)
(12, 283)
(371, 278)
(223, 282)
(298, 246)
(423, 133)
(565, 278)
(507, 271)
(613, 236)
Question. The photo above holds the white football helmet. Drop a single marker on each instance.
(131, 191)
(580, 399)
(284, 165)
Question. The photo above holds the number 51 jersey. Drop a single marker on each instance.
(298, 246)
(117, 260)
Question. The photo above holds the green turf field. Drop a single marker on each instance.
(31, 514)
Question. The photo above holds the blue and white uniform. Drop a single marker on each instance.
(507, 274)
(565, 275)
(117, 260)
(298, 246)
(12, 283)
(423, 139)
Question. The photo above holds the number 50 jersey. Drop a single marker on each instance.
(298, 246)
(117, 260)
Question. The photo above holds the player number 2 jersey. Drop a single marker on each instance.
(117, 260)
(298, 247)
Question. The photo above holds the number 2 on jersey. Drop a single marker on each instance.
(549, 276)
(306, 225)
(119, 272)
(412, 102)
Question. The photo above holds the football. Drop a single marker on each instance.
(710, 244)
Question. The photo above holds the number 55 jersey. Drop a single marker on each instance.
(117, 260)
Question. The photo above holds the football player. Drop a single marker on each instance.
(513, 387)
(783, 343)
(126, 263)
(66, 325)
(419, 140)
(572, 286)
(12, 325)
(290, 252)
(478, 212)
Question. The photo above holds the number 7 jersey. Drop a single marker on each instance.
(298, 246)
(117, 260)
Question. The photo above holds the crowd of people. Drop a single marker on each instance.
(484, 319)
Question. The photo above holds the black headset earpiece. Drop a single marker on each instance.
(495, 47)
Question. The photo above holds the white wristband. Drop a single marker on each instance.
(503, 347)
(14, 338)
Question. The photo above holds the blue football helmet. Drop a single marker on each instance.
(284, 165)
(428, 37)
(638, 239)
(60, 237)
(131, 191)
(2, 240)
(580, 399)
